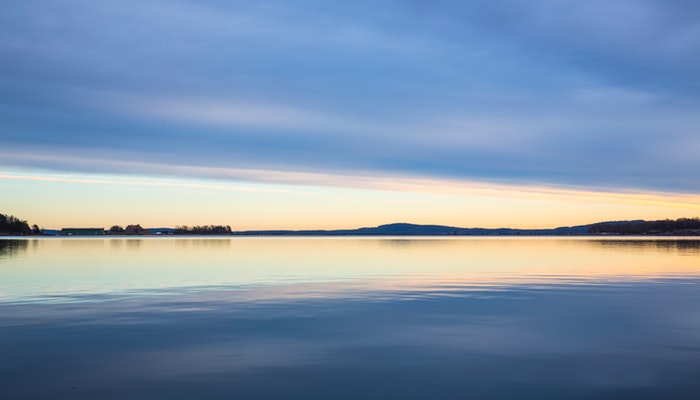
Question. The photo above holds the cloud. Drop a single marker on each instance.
(221, 178)
(226, 112)
(590, 94)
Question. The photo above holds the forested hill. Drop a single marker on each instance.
(11, 225)
(405, 229)
(683, 226)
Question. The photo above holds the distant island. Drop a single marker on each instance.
(13, 226)
(679, 227)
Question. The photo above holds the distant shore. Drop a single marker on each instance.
(679, 227)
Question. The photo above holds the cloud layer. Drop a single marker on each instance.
(578, 94)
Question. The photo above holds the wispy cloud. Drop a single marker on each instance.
(226, 112)
(294, 182)
(589, 94)
(131, 181)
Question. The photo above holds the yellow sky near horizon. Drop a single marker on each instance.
(55, 200)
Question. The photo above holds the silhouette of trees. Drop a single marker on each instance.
(115, 229)
(203, 230)
(135, 229)
(681, 226)
(10, 224)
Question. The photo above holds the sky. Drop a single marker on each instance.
(318, 114)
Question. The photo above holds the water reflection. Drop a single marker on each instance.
(630, 341)
(206, 242)
(12, 247)
(87, 244)
(351, 318)
(336, 266)
(690, 246)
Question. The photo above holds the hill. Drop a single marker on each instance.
(682, 226)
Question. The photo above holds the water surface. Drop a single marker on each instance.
(377, 318)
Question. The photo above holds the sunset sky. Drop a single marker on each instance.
(320, 114)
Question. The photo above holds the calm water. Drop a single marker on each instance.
(349, 318)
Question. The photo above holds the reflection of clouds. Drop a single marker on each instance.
(571, 341)
(270, 269)
(222, 356)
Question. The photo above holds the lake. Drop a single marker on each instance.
(350, 318)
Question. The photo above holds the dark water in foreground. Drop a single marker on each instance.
(347, 318)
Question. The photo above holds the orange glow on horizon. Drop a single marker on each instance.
(331, 202)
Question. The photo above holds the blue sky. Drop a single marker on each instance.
(595, 96)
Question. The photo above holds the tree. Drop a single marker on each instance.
(682, 226)
(134, 229)
(9, 224)
(203, 230)
(36, 230)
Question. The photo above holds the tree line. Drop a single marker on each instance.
(136, 229)
(202, 230)
(9, 224)
(681, 226)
